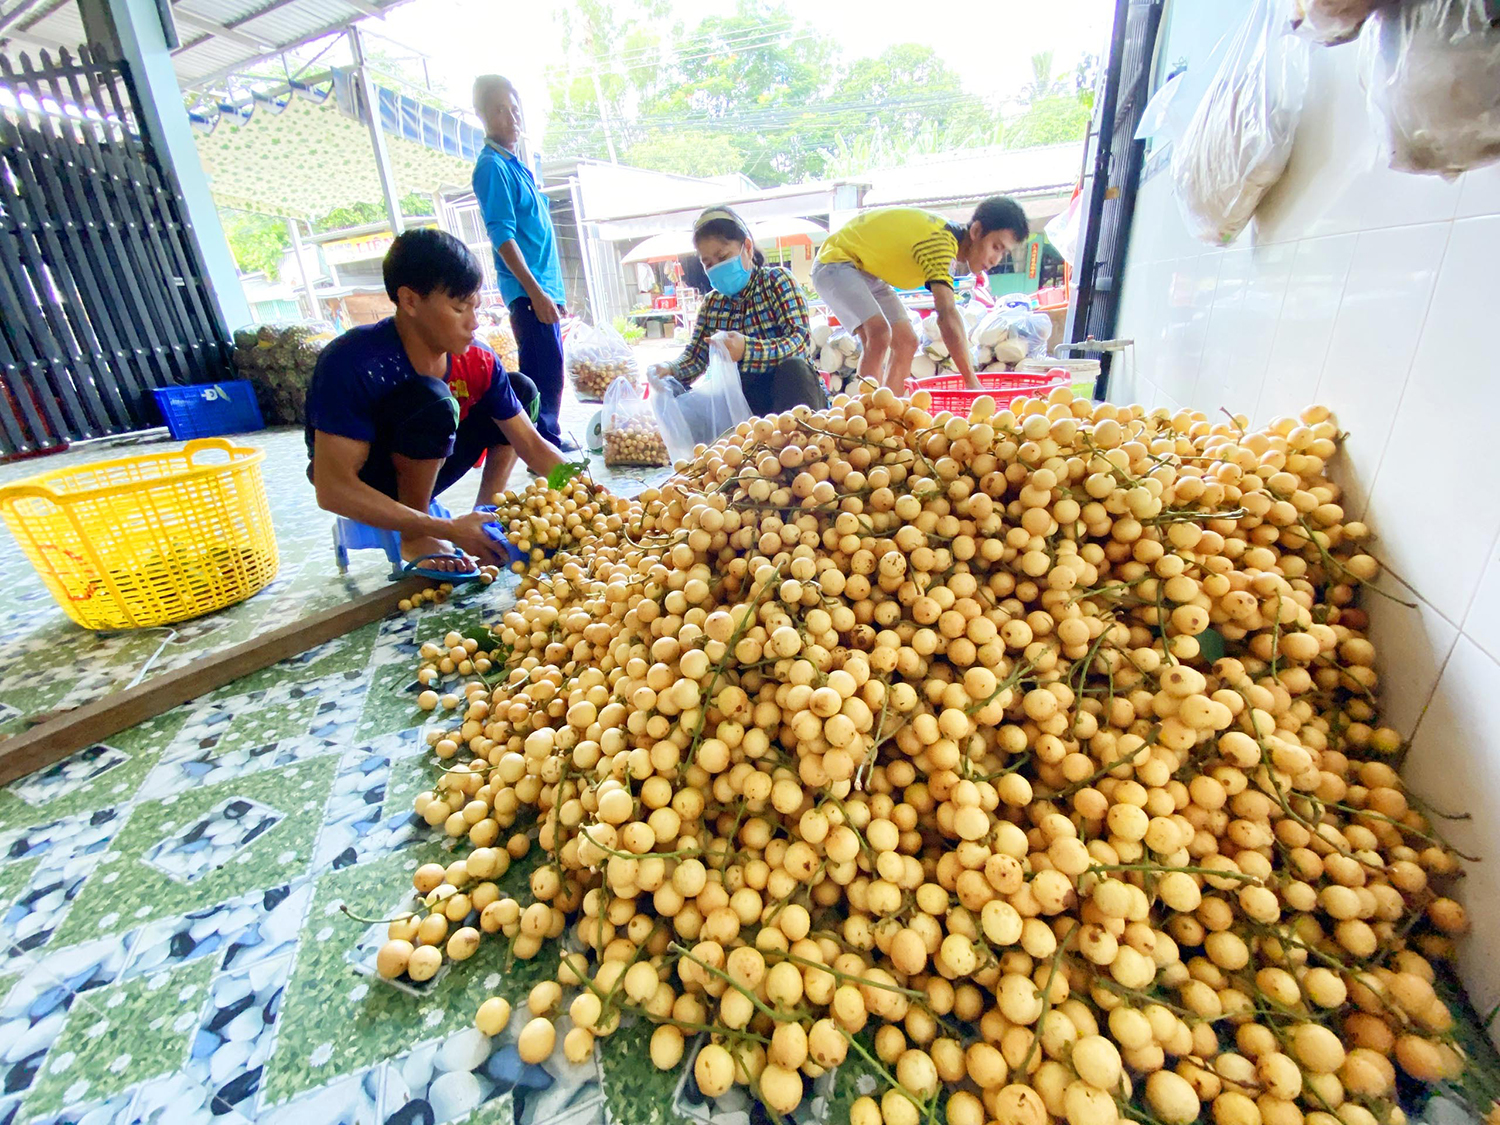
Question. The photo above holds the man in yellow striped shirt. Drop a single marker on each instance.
(907, 248)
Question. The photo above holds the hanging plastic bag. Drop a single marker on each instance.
(1331, 22)
(714, 404)
(1240, 137)
(596, 356)
(1432, 76)
(1062, 231)
(631, 435)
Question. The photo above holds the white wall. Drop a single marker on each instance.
(1373, 292)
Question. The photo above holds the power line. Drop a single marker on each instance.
(782, 116)
(759, 41)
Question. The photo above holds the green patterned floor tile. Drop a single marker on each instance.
(635, 1092)
(345, 654)
(389, 707)
(256, 726)
(14, 877)
(52, 793)
(498, 1110)
(335, 1020)
(157, 874)
(120, 1035)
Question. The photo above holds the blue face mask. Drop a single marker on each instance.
(729, 276)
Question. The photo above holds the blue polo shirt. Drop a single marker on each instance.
(514, 207)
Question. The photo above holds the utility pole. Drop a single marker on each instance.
(609, 140)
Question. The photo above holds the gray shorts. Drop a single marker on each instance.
(856, 296)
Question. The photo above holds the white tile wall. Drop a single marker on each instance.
(1374, 292)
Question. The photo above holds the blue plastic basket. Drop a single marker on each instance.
(209, 409)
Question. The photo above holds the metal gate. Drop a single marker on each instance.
(1113, 174)
(102, 293)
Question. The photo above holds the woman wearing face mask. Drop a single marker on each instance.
(756, 313)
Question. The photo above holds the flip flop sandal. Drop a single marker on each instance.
(415, 569)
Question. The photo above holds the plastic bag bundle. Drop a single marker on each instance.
(1240, 137)
(631, 435)
(502, 341)
(714, 404)
(1432, 76)
(1008, 334)
(596, 356)
(1330, 22)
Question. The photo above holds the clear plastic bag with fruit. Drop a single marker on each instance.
(631, 435)
(596, 356)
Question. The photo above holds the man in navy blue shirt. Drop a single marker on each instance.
(519, 221)
(399, 410)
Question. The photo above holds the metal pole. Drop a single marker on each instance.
(596, 307)
(312, 298)
(609, 140)
(377, 136)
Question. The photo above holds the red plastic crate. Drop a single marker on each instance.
(949, 393)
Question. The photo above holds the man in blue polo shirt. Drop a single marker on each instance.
(519, 221)
(400, 410)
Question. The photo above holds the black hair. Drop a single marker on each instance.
(425, 258)
(1000, 212)
(729, 231)
(487, 84)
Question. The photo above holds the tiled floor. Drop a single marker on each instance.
(169, 899)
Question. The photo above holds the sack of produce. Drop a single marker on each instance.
(1432, 76)
(1241, 134)
(278, 360)
(838, 355)
(711, 406)
(1009, 334)
(596, 356)
(931, 347)
(502, 341)
(1330, 22)
(631, 435)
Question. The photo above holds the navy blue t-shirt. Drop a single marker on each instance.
(367, 363)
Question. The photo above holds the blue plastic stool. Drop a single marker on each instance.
(349, 535)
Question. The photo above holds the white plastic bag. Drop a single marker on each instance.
(631, 435)
(596, 356)
(1012, 332)
(1331, 22)
(1064, 228)
(1432, 76)
(714, 404)
(1240, 137)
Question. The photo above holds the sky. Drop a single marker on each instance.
(467, 37)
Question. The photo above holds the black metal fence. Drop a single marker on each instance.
(102, 292)
(1114, 173)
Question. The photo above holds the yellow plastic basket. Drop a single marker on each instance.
(148, 540)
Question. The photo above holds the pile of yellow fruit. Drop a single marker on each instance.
(1032, 756)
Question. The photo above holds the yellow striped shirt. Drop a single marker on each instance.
(903, 246)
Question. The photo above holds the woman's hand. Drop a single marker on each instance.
(732, 342)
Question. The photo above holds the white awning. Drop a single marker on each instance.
(675, 244)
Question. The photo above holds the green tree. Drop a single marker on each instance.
(257, 241)
(758, 76)
(751, 81)
(362, 214)
(907, 87)
(1057, 110)
(712, 154)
